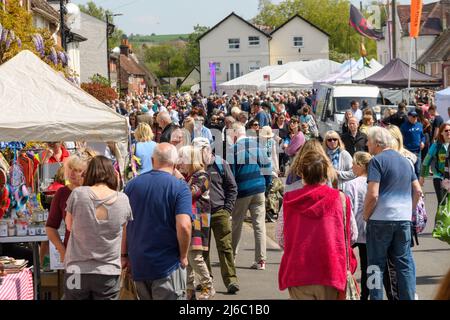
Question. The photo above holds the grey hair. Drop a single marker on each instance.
(166, 154)
(164, 116)
(239, 128)
(381, 137)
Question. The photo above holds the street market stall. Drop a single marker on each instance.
(443, 102)
(39, 104)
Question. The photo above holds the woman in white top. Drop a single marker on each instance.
(356, 190)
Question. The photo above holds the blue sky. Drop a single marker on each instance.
(179, 16)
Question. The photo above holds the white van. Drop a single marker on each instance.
(332, 101)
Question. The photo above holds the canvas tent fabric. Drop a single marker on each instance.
(39, 104)
(442, 99)
(395, 75)
(291, 79)
(254, 81)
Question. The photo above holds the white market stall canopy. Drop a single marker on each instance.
(291, 79)
(443, 102)
(39, 104)
(254, 81)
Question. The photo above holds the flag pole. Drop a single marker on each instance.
(410, 63)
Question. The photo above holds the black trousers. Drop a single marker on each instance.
(440, 192)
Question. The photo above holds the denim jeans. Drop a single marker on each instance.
(390, 239)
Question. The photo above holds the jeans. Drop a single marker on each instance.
(390, 239)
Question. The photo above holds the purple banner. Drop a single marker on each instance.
(212, 71)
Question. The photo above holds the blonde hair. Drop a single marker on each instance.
(143, 133)
(333, 134)
(78, 161)
(397, 143)
(193, 157)
(362, 159)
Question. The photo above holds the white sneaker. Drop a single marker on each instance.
(261, 265)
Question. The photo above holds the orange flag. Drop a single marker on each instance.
(416, 14)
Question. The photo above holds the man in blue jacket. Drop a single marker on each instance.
(413, 138)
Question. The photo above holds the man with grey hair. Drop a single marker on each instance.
(165, 122)
(158, 238)
(392, 195)
(252, 170)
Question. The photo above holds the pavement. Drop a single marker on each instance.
(432, 259)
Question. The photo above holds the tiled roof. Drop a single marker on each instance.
(430, 20)
(44, 7)
(439, 49)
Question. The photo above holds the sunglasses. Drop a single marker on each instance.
(332, 140)
(255, 125)
(447, 131)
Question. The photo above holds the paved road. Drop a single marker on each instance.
(432, 262)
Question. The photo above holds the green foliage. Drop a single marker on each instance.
(158, 39)
(166, 60)
(16, 18)
(330, 15)
(98, 12)
(192, 54)
(98, 78)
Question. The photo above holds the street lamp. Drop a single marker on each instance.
(109, 31)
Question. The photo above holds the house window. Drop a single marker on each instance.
(218, 68)
(254, 65)
(253, 41)
(298, 42)
(234, 70)
(280, 62)
(234, 43)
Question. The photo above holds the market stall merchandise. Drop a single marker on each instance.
(17, 286)
(39, 104)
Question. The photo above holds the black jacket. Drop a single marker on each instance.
(167, 132)
(354, 144)
(223, 189)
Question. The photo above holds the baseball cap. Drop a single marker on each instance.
(412, 113)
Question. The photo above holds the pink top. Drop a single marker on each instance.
(296, 143)
(314, 245)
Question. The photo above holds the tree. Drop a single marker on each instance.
(18, 33)
(193, 47)
(330, 15)
(98, 12)
(166, 60)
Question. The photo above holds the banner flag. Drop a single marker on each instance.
(362, 26)
(212, 71)
(416, 13)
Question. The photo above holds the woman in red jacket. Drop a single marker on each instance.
(313, 266)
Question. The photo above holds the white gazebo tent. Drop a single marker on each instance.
(39, 104)
(291, 79)
(443, 102)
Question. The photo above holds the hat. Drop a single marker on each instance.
(201, 142)
(266, 132)
(412, 113)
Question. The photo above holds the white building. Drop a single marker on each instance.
(298, 39)
(236, 46)
(239, 47)
(431, 28)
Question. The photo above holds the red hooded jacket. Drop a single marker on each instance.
(314, 252)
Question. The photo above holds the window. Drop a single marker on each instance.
(234, 43)
(298, 42)
(234, 71)
(253, 41)
(254, 65)
(280, 62)
(218, 67)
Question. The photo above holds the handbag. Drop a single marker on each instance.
(441, 229)
(127, 286)
(351, 287)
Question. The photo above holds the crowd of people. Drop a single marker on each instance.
(202, 165)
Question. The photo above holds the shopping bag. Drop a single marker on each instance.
(442, 225)
(127, 286)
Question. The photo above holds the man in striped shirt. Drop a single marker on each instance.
(252, 170)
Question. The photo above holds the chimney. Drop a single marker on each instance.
(445, 8)
(125, 46)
